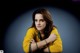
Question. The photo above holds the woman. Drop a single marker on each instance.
(42, 36)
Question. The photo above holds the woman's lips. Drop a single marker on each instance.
(38, 26)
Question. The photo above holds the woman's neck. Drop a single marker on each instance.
(42, 34)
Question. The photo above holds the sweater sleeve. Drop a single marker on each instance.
(26, 42)
(56, 46)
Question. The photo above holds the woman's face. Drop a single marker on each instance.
(40, 23)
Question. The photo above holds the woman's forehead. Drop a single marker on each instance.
(38, 16)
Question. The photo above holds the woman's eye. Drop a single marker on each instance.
(42, 20)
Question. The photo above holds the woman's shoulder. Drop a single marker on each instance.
(31, 28)
(54, 30)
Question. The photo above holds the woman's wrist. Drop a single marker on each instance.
(36, 46)
(47, 40)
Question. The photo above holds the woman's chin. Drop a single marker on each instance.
(39, 29)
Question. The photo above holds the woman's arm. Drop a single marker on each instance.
(55, 46)
(42, 43)
(38, 45)
(51, 38)
(28, 47)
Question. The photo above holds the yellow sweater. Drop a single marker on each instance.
(55, 46)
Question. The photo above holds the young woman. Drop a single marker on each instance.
(42, 36)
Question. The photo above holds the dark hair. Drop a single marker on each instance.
(47, 17)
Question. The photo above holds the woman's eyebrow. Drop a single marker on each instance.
(41, 19)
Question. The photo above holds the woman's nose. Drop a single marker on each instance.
(38, 22)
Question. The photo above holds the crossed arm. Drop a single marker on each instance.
(54, 47)
(41, 44)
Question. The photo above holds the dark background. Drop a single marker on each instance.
(11, 9)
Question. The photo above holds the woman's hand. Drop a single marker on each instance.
(46, 50)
